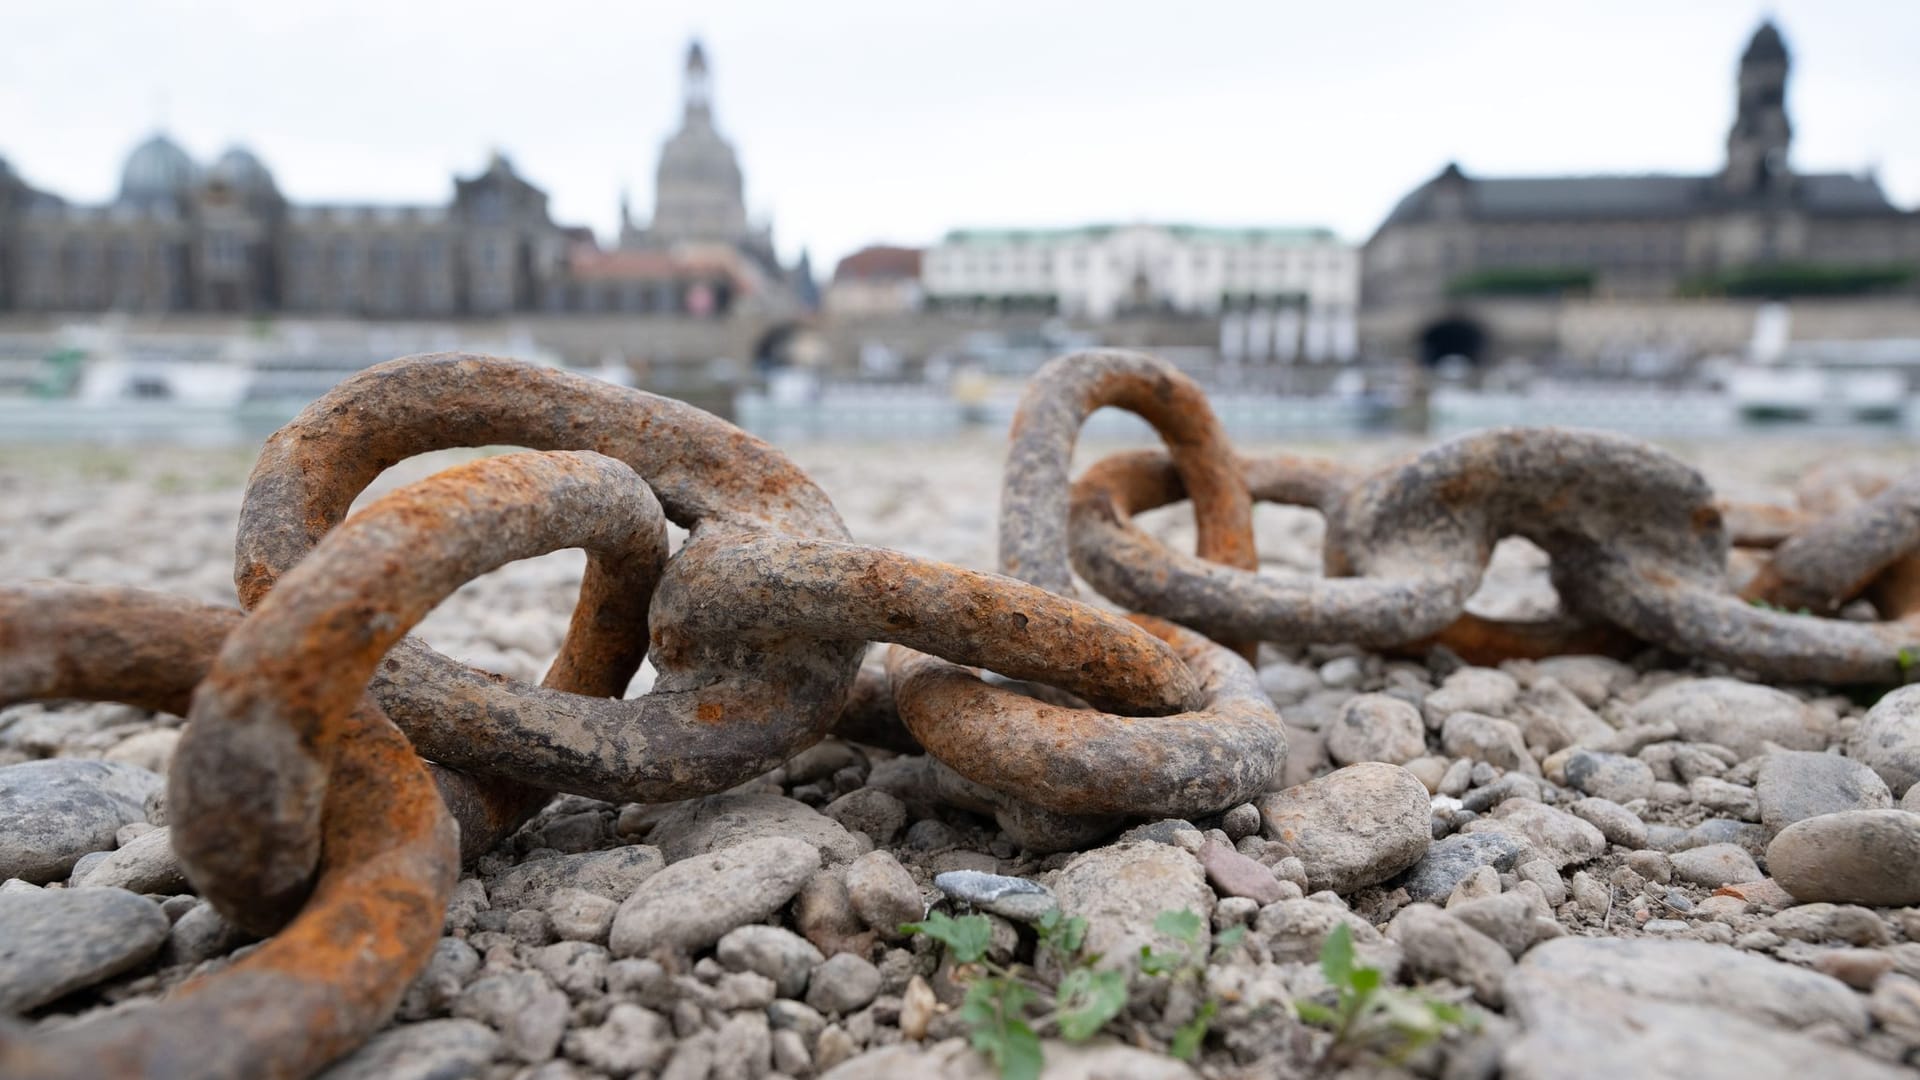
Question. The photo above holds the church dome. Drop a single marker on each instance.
(696, 154)
(239, 171)
(157, 171)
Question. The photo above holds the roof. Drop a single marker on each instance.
(879, 263)
(586, 263)
(1765, 45)
(1643, 196)
(1278, 236)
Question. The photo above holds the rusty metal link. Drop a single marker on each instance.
(1638, 548)
(333, 975)
(1226, 747)
(250, 773)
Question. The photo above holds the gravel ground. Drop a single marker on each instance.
(1592, 857)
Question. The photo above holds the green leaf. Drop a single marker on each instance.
(1187, 1039)
(1336, 957)
(1184, 924)
(1315, 1013)
(1086, 1000)
(1365, 981)
(1020, 1057)
(993, 1009)
(1228, 938)
(1153, 963)
(966, 938)
(1062, 933)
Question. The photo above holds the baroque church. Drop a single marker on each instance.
(1756, 228)
(180, 237)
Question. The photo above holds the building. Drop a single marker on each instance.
(179, 237)
(876, 281)
(1465, 265)
(1099, 272)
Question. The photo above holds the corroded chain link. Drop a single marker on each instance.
(329, 757)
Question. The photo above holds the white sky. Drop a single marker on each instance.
(894, 121)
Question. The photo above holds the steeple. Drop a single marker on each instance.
(1757, 146)
(696, 89)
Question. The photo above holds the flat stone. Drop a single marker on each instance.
(631, 1040)
(1287, 683)
(613, 873)
(1748, 836)
(56, 941)
(1554, 834)
(1614, 777)
(1447, 862)
(527, 1011)
(777, 953)
(1888, 739)
(1854, 857)
(877, 813)
(1794, 785)
(1592, 679)
(54, 811)
(1470, 689)
(883, 893)
(691, 903)
(1740, 716)
(1009, 897)
(1554, 718)
(1435, 943)
(1725, 799)
(1715, 865)
(145, 864)
(842, 983)
(1121, 889)
(1352, 828)
(1694, 973)
(434, 1050)
(717, 822)
(1487, 738)
(1233, 874)
(1376, 727)
(1617, 823)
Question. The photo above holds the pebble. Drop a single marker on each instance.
(953, 1059)
(1235, 875)
(1715, 865)
(1749, 837)
(1666, 926)
(1888, 739)
(1615, 777)
(1618, 824)
(1470, 689)
(1353, 827)
(54, 811)
(1240, 822)
(1176, 831)
(824, 915)
(1858, 968)
(1011, 897)
(1543, 876)
(1719, 797)
(691, 903)
(717, 822)
(842, 983)
(772, 951)
(1288, 683)
(1434, 942)
(613, 873)
(1740, 716)
(1514, 920)
(1553, 717)
(1552, 833)
(1121, 889)
(434, 1050)
(578, 915)
(56, 941)
(1448, 862)
(1794, 785)
(632, 1039)
(529, 1014)
(1856, 856)
(1486, 738)
(144, 864)
(1511, 786)
(202, 933)
(1592, 679)
(1375, 727)
(877, 813)
(883, 894)
(1823, 922)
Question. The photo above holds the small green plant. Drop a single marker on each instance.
(1905, 658)
(1368, 1016)
(1005, 1008)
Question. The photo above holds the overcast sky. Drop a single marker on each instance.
(895, 121)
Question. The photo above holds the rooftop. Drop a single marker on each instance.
(1276, 236)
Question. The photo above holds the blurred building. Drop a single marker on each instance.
(1460, 248)
(876, 281)
(223, 239)
(1099, 272)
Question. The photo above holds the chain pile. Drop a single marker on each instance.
(335, 771)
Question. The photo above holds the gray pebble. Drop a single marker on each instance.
(55, 941)
(1012, 897)
(691, 903)
(52, 812)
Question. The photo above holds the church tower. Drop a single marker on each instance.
(1757, 145)
(698, 190)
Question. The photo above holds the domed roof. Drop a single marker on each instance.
(241, 172)
(697, 154)
(157, 171)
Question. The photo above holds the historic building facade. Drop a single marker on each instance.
(1460, 248)
(180, 237)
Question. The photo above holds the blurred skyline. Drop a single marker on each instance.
(868, 122)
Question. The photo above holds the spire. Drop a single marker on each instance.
(1758, 144)
(696, 88)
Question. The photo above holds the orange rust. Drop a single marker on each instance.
(710, 712)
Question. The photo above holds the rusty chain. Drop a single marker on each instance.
(303, 795)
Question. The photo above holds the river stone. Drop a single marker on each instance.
(1556, 835)
(691, 903)
(779, 954)
(613, 873)
(883, 893)
(1449, 861)
(1617, 823)
(1715, 865)
(1888, 739)
(1581, 1030)
(1435, 943)
(1592, 679)
(55, 941)
(1738, 715)
(1486, 738)
(1376, 727)
(434, 1050)
(1470, 689)
(1121, 889)
(1010, 897)
(1615, 777)
(145, 864)
(1854, 857)
(54, 811)
(953, 1059)
(1696, 973)
(1353, 827)
(1794, 785)
(716, 822)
